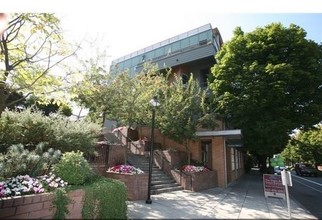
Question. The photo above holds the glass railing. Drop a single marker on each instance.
(197, 37)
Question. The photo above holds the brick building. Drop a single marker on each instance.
(193, 52)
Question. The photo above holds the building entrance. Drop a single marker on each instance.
(206, 152)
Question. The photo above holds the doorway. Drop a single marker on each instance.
(206, 153)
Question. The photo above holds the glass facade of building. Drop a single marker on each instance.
(185, 41)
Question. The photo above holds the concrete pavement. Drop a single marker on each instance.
(243, 199)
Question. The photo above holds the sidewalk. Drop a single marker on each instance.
(244, 199)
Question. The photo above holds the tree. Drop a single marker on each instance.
(30, 49)
(267, 83)
(181, 111)
(125, 98)
(291, 153)
(307, 145)
(119, 95)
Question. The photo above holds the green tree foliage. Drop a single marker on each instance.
(120, 96)
(291, 153)
(267, 83)
(180, 112)
(306, 145)
(125, 98)
(50, 107)
(30, 48)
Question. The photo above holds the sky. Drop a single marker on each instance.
(121, 27)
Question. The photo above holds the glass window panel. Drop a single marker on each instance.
(136, 60)
(185, 43)
(175, 46)
(194, 40)
(167, 49)
(159, 52)
(121, 65)
(203, 36)
(149, 55)
(127, 64)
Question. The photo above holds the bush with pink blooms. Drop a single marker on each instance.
(125, 169)
(192, 168)
(24, 185)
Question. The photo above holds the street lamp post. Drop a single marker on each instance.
(154, 102)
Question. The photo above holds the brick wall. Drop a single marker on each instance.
(196, 181)
(136, 185)
(38, 206)
(219, 155)
(116, 155)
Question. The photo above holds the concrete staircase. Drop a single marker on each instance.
(160, 181)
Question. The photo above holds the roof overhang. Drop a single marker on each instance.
(233, 138)
(235, 132)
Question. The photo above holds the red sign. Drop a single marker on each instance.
(273, 186)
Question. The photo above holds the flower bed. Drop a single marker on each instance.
(24, 185)
(125, 169)
(194, 169)
(135, 180)
(195, 178)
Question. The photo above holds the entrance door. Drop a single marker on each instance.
(206, 153)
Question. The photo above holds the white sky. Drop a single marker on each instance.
(123, 26)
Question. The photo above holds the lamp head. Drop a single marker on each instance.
(154, 101)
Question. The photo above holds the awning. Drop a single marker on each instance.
(233, 138)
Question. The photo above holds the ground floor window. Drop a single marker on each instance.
(233, 163)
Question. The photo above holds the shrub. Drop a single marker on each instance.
(21, 161)
(30, 127)
(105, 199)
(73, 135)
(73, 168)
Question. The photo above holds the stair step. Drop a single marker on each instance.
(163, 190)
(160, 181)
(165, 185)
(165, 179)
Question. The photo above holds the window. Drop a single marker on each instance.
(233, 164)
(159, 52)
(185, 43)
(194, 40)
(175, 46)
(185, 79)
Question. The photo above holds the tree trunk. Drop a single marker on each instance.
(262, 163)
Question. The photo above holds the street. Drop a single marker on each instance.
(308, 192)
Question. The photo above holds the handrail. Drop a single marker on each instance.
(127, 138)
(163, 158)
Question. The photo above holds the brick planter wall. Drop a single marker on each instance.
(39, 206)
(196, 181)
(116, 155)
(136, 185)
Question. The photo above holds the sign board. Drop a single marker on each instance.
(273, 186)
(286, 178)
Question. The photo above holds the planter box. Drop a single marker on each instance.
(136, 185)
(38, 206)
(196, 181)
